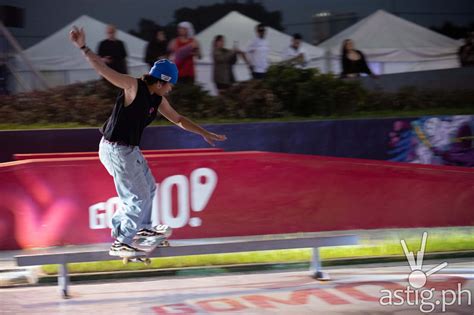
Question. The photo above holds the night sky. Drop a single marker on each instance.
(44, 17)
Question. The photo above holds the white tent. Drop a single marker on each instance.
(240, 29)
(392, 45)
(62, 63)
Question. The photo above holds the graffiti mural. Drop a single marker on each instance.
(433, 140)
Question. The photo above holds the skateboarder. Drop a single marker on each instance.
(136, 107)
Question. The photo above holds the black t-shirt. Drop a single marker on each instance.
(154, 50)
(126, 124)
(354, 66)
(115, 49)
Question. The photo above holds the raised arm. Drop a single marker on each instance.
(172, 115)
(123, 81)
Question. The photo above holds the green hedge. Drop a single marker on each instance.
(306, 92)
(86, 103)
(286, 91)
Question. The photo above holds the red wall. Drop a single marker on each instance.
(61, 201)
(36, 156)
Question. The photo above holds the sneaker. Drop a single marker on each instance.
(123, 250)
(158, 230)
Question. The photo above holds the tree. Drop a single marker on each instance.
(146, 29)
(454, 31)
(203, 16)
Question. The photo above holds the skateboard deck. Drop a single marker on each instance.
(147, 244)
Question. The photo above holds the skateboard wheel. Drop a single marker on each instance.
(147, 261)
(125, 260)
(165, 243)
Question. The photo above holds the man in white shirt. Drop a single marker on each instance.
(295, 54)
(257, 53)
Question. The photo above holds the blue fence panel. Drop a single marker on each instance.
(425, 140)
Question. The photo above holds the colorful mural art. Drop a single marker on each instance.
(433, 140)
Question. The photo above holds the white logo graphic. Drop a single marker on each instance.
(166, 78)
(417, 278)
(193, 195)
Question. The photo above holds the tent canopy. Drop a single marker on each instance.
(239, 28)
(56, 52)
(61, 63)
(384, 37)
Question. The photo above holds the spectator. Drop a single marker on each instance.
(257, 53)
(295, 54)
(112, 51)
(157, 48)
(224, 59)
(466, 52)
(353, 61)
(184, 48)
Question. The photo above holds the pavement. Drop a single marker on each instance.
(364, 290)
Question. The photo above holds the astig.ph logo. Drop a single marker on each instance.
(417, 277)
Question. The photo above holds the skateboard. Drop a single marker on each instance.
(147, 244)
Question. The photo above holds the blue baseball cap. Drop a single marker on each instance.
(165, 70)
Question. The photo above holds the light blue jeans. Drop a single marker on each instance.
(135, 185)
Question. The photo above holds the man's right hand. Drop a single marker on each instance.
(78, 37)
